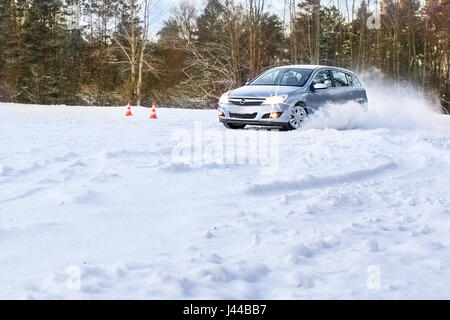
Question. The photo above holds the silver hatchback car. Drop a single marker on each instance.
(285, 96)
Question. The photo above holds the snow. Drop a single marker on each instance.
(92, 206)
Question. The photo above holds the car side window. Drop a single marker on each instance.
(356, 82)
(350, 80)
(340, 79)
(323, 77)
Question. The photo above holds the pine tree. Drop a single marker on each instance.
(41, 60)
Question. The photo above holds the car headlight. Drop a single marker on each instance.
(224, 99)
(275, 100)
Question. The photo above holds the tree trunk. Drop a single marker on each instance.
(256, 9)
(133, 52)
(425, 55)
(317, 33)
(142, 52)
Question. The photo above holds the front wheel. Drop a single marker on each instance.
(234, 126)
(297, 117)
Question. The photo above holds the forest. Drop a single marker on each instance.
(108, 52)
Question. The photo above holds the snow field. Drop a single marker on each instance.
(92, 207)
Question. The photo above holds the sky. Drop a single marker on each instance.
(163, 11)
(165, 7)
(275, 6)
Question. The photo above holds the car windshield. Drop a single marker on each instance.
(283, 77)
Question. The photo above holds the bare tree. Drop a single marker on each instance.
(233, 18)
(149, 6)
(255, 17)
(293, 30)
(136, 43)
(186, 14)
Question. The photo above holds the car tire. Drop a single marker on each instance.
(298, 115)
(234, 126)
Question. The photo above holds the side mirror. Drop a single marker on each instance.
(319, 86)
(247, 83)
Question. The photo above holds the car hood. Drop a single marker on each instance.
(262, 91)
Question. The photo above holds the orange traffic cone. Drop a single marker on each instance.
(153, 116)
(128, 114)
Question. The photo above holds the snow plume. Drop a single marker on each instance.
(393, 105)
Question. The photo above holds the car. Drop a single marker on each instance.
(285, 96)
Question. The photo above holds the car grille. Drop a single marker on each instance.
(243, 115)
(246, 102)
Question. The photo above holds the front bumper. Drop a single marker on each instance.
(270, 123)
(254, 115)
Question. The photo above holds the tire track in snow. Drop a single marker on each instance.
(313, 182)
(23, 195)
(37, 167)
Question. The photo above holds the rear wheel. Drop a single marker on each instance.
(233, 126)
(297, 116)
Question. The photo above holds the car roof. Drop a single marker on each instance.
(313, 67)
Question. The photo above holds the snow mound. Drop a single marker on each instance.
(310, 182)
